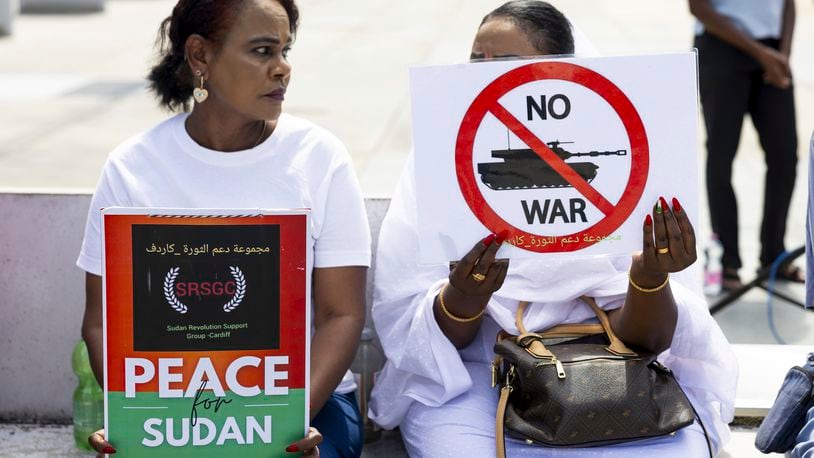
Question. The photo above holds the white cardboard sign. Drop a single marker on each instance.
(564, 155)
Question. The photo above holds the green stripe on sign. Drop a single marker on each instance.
(150, 426)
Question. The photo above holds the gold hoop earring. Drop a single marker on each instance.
(199, 93)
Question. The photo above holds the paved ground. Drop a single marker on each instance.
(72, 87)
(32, 441)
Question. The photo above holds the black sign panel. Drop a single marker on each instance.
(206, 287)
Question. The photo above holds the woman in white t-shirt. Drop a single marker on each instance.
(438, 326)
(235, 149)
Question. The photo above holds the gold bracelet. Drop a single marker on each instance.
(450, 315)
(647, 290)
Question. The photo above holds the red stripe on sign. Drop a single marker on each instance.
(551, 158)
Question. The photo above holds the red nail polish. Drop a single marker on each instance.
(501, 237)
(676, 205)
(488, 239)
(108, 450)
(664, 206)
(292, 448)
(648, 220)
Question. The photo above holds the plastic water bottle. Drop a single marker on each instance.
(713, 269)
(88, 403)
(367, 362)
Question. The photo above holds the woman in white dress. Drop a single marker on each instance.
(436, 383)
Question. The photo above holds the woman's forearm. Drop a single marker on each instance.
(647, 320)
(787, 30)
(339, 315)
(92, 332)
(457, 304)
(332, 349)
(94, 340)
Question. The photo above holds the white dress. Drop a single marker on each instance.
(441, 397)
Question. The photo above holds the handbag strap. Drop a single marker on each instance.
(616, 346)
(573, 330)
(500, 435)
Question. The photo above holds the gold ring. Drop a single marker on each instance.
(663, 250)
(478, 277)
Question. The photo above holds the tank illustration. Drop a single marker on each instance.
(524, 169)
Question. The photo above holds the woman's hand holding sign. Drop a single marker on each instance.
(669, 245)
(97, 442)
(460, 305)
(307, 445)
(477, 273)
(648, 318)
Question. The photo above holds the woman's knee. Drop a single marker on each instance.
(458, 428)
(340, 423)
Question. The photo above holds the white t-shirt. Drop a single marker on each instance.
(299, 166)
(757, 18)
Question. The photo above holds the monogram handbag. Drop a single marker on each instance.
(578, 385)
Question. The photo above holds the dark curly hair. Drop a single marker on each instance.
(171, 79)
(547, 28)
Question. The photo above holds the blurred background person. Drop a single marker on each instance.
(743, 50)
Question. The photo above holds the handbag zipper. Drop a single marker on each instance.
(556, 362)
(560, 364)
(599, 358)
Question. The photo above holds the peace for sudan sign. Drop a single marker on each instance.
(206, 331)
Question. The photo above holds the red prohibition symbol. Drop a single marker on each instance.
(488, 102)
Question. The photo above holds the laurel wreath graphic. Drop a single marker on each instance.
(240, 290)
(178, 306)
(169, 291)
